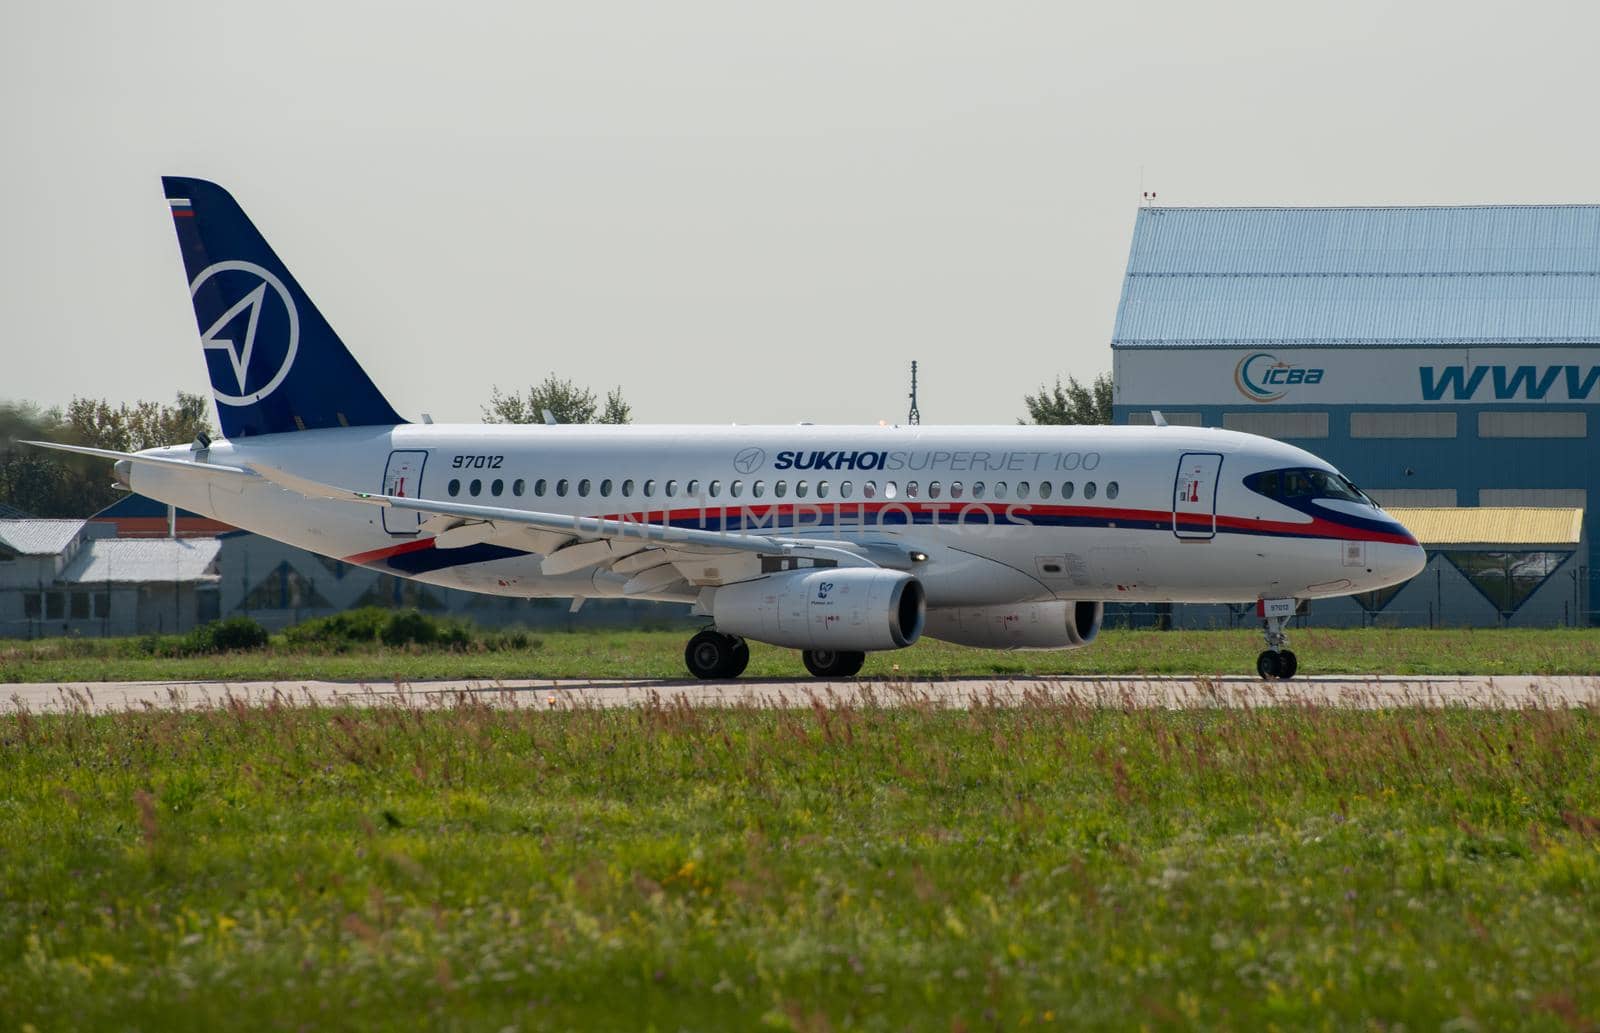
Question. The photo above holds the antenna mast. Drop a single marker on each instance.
(914, 417)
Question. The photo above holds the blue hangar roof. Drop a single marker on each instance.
(1362, 276)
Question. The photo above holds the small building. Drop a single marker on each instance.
(70, 577)
(1488, 566)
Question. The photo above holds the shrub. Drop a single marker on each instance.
(408, 627)
(340, 629)
(225, 636)
(401, 628)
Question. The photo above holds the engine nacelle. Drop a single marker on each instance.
(1057, 624)
(839, 608)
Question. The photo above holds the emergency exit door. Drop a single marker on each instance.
(402, 478)
(1194, 496)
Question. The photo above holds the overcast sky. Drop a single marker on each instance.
(738, 211)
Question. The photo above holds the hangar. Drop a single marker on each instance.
(1439, 356)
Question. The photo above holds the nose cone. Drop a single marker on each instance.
(1394, 562)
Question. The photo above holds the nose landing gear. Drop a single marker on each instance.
(1277, 662)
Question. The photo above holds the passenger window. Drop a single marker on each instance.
(758, 489)
(454, 488)
(583, 488)
(496, 487)
(605, 488)
(627, 487)
(1066, 489)
(475, 488)
(1088, 489)
(911, 489)
(891, 490)
(539, 487)
(999, 489)
(845, 488)
(822, 489)
(694, 488)
(671, 490)
(1022, 489)
(1112, 489)
(1044, 489)
(649, 488)
(518, 486)
(780, 489)
(934, 490)
(977, 489)
(955, 489)
(800, 489)
(736, 489)
(869, 489)
(714, 489)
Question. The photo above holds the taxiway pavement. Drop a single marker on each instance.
(1366, 692)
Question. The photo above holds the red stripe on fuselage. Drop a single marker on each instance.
(379, 555)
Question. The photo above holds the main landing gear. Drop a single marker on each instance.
(711, 654)
(1277, 662)
(833, 663)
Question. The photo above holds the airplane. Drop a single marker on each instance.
(833, 540)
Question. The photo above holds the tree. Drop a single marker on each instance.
(616, 411)
(52, 484)
(566, 401)
(1072, 405)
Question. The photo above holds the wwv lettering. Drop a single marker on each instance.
(1534, 383)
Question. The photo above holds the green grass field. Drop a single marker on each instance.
(659, 654)
(874, 868)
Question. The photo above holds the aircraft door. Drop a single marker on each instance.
(1194, 496)
(403, 479)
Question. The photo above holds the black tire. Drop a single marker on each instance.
(711, 654)
(1288, 664)
(739, 658)
(830, 663)
(1267, 665)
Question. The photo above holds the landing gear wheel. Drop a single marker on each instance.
(829, 663)
(1277, 662)
(1277, 666)
(711, 654)
(741, 658)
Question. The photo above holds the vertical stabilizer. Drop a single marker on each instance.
(275, 364)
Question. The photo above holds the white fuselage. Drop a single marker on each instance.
(1003, 514)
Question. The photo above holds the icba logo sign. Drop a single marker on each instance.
(1261, 377)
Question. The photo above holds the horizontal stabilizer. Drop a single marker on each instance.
(165, 462)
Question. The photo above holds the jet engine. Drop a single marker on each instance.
(1058, 624)
(835, 608)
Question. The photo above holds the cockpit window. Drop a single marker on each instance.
(1303, 484)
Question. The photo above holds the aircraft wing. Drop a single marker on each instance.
(654, 556)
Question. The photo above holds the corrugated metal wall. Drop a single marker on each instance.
(1367, 276)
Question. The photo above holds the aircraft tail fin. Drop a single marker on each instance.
(274, 362)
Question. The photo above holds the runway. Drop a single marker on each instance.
(1361, 692)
